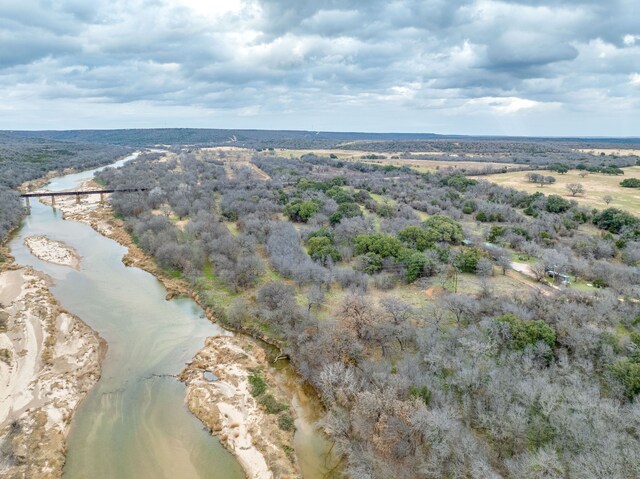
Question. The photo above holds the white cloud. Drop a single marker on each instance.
(634, 78)
(504, 105)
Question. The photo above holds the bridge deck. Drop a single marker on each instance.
(87, 192)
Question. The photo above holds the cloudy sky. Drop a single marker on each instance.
(521, 67)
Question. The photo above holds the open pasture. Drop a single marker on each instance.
(596, 186)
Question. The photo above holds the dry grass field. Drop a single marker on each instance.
(435, 165)
(419, 165)
(609, 151)
(596, 187)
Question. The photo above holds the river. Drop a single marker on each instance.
(133, 423)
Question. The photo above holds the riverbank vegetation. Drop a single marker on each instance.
(26, 159)
(393, 292)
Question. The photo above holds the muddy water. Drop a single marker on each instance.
(313, 449)
(134, 424)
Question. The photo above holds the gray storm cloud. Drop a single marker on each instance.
(517, 67)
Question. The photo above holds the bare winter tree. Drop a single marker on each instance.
(539, 270)
(575, 188)
(357, 315)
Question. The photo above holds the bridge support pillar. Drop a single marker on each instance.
(53, 200)
(28, 205)
(77, 199)
(101, 198)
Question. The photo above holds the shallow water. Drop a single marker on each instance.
(134, 423)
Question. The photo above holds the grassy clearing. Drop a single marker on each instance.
(610, 151)
(421, 214)
(518, 258)
(226, 153)
(381, 200)
(582, 286)
(596, 187)
(419, 165)
(232, 227)
(341, 154)
(424, 166)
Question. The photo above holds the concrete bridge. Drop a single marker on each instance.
(77, 194)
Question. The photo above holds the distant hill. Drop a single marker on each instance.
(289, 138)
(193, 136)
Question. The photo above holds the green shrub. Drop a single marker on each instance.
(467, 259)
(630, 183)
(349, 210)
(415, 264)
(469, 207)
(258, 384)
(526, 333)
(557, 204)
(271, 404)
(326, 232)
(380, 244)
(321, 249)
(558, 168)
(415, 237)
(495, 233)
(371, 263)
(443, 228)
(301, 211)
(286, 422)
(614, 219)
(599, 283)
(339, 195)
(460, 183)
(423, 394)
(628, 374)
(335, 218)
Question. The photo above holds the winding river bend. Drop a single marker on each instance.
(133, 424)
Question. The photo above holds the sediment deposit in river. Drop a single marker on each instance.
(219, 394)
(49, 360)
(52, 251)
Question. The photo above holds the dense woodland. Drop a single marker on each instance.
(331, 260)
(24, 159)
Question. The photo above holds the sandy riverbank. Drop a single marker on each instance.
(52, 251)
(49, 360)
(227, 408)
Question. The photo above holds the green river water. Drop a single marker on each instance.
(133, 423)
